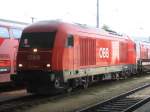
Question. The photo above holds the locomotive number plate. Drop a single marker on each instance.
(33, 57)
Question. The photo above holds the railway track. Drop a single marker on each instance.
(12, 104)
(126, 102)
(26, 102)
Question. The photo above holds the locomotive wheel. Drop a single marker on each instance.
(124, 75)
(56, 84)
(69, 86)
(85, 83)
(117, 76)
(69, 89)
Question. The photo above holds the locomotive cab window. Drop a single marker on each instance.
(37, 40)
(70, 41)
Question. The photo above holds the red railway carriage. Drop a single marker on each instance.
(8, 47)
(143, 55)
(61, 55)
(10, 32)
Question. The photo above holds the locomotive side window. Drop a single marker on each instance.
(70, 41)
(37, 40)
(4, 32)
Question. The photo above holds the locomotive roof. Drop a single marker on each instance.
(42, 26)
(46, 26)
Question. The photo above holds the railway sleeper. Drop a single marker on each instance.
(128, 100)
(115, 106)
(111, 109)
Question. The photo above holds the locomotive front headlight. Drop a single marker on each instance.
(35, 50)
(20, 65)
(48, 65)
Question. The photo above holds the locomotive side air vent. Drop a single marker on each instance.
(87, 51)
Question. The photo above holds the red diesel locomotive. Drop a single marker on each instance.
(55, 54)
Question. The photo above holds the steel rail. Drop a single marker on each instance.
(120, 103)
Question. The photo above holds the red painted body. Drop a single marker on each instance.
(145, 50)
(97, 51)
(91, 49)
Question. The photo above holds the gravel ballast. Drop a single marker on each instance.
(91, 95)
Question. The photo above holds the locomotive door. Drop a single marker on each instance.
(76, 54)
(72, 45)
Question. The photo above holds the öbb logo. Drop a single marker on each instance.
(104, 53)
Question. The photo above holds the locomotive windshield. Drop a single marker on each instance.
(37, 40)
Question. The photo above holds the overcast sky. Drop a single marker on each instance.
(127, 16)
